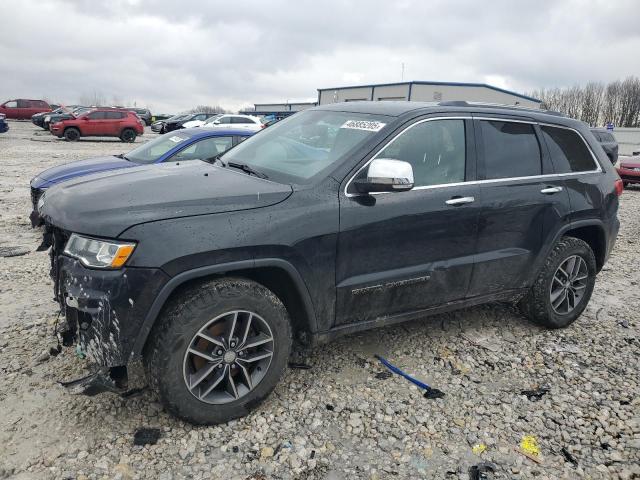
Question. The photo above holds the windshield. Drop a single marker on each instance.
(176, 117)
(151, 151)
(301, 146)
(212, 119)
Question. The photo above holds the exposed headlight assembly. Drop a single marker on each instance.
(99, 253)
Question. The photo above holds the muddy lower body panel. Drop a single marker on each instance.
(103, 309)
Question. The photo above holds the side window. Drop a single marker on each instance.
(225, 120)
(205, 149)
(24, 104)
(568, 151)
(435, 149)
(96, 115)
(511, 149)
(240, 120)
(113, 115)
(11, 104)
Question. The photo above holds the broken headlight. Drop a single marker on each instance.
(99, 253)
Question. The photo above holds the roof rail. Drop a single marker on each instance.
(464, 103)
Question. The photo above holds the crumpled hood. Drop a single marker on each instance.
(106, 204)
(67, 171)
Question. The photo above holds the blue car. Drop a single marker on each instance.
(4, 126)
(187, 144)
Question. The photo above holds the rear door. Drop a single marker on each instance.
(522, 203)
(24, 109)
(402, 252)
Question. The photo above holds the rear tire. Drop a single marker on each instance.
(557, 298)
(128, 135)
(239, 379)
(72, 134)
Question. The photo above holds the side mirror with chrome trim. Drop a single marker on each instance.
(386, 175)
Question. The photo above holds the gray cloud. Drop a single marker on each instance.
(172, 55)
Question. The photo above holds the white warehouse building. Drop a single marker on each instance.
(426, 92)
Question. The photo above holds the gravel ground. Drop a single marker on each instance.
(343, 418)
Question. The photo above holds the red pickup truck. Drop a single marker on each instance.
(21, 109)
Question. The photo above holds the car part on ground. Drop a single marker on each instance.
(337, 219)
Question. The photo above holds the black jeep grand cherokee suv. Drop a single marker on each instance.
(337, 219)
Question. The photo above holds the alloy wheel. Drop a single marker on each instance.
(569, 284)
(228, 357)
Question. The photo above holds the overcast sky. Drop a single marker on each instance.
(172, 55)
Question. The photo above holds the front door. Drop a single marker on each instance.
(401, 252)
(522, 203)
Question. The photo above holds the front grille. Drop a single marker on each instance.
(36, 193)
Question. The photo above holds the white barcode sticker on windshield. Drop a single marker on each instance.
(176, 139)
(368, 125)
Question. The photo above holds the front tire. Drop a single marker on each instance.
(218, 350)
(128, 135)
(72, 134)
(564, 286)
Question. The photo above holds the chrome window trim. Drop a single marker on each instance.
(593, 156)
(346, 187)
(477, 182)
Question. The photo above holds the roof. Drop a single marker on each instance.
(398, 108)
(449, 84)
(214, 132)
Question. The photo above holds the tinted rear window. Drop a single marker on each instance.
(240, 120)
(511, 149)
(113, 115)
(568, 151)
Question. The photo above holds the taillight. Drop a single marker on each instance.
(619, 187)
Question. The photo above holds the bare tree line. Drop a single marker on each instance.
(597, 103)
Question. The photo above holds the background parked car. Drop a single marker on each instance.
(144, 114)
(4, 126)
(608, 142)
(101, 122)
(171, 125)
(39, 118)
(21, 109)
(247, 122)
(187, 144)
(629, 170)
(158, 126)
(50, 119)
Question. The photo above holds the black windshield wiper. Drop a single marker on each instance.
(122, 155)
(246, 168)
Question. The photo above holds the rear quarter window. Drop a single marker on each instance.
(569, 153)
(511, 149)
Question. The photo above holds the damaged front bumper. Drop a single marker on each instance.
(103, 309)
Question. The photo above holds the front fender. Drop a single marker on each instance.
(225, 268)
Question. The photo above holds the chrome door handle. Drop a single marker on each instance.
(550, 190)
(460, 200)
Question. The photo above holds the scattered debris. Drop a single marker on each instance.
(529, 448)
(479, 448)
(13, 251)
(134, 392)
(433, 394)
(54, 351)
(482, 340)
(299, 366)
(535, 395)
(430, 393)
(481, 471)
(568, 457)
(624, 323)
(384, 375)
(330, 407)
(146, 436)
(79, 353)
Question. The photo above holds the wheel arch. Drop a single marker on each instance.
(276, 274)
(594, 235)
